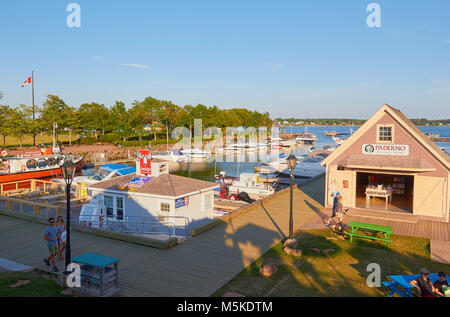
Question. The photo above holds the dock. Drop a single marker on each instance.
(199, 266)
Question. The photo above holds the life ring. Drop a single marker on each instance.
(6, 166)
(42, 163)
(32, 164)
(51, 162)
(60, 161)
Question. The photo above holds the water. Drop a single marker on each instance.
(207, 170)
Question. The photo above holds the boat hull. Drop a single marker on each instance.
(46, 174)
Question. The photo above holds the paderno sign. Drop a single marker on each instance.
(385, 149)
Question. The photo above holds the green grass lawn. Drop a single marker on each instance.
(27, 140)
(341, 273)
(38, 287)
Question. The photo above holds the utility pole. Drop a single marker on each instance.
(32, 101)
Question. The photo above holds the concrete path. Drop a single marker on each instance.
(440, 251)
(11, 266)
(197, 267)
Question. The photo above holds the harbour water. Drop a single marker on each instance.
(206, 170)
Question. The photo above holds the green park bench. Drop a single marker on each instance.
(387, 231)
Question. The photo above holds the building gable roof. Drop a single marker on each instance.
(404, 122)
(163, 185)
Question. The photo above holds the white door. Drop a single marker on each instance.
(429, 196)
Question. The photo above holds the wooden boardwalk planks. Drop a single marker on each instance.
(197, 267)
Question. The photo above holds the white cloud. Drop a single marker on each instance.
(442, 86)
(99, 58)
(140, 66)
(447, 41)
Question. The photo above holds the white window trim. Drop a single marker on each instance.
(162, 212)
(392, 126)
(114, 198)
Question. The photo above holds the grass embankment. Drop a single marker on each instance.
(40, 285)
(27, 140)
(343, 272)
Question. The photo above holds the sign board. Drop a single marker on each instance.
(385, 149)
(138, 182)
(181, 202)
(145, 162)
(30, 154)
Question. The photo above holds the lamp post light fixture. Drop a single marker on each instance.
(292, 163)
(68, 171)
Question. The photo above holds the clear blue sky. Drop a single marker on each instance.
(290, 58)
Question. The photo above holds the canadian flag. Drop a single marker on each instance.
(28, 81)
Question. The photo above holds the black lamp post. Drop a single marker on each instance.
(292, 163)
(68, 170)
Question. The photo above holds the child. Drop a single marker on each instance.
(63, 239)
(440, 284)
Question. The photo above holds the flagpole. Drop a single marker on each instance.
(32, 100)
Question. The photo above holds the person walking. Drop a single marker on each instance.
(333, 210)
(63, 240)
(340, 211)
(51, 237)
(60, 227)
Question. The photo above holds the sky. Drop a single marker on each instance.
(302, 59)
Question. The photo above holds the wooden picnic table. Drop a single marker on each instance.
(356, 226)
(403, 281)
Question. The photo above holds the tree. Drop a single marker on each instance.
(21, 121)
(152, 108)
(94, 117)
(5, 126)
(54, 109)
(138, 118)
(120, 120)
(1, 95)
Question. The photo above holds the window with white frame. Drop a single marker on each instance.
(109, 204)
(164, 207)
(385, 133)
(119, 204)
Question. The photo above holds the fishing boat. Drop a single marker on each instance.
(38, 164)
(306, 138)
(252, 184)
(105, 172)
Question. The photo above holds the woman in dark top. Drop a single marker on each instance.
(424, 285)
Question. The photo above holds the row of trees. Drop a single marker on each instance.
(148, 116)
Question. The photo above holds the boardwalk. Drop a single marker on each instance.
(402, 224)
(197, 267)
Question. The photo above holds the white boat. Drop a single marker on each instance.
(252, 185)
(239, 147)
(306, 168)
(194, 153)
(173, 156)
(105, 172)
(306, 138)
(338, 140)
